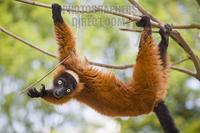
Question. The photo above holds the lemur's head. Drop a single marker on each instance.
(65, 83)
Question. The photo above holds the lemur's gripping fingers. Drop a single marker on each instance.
(56, 13)
(144, 22)
(34, 93)
(164, 32)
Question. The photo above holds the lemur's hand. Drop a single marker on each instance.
(34, 93)
(144, 22)
(164, 32)
(56, 13)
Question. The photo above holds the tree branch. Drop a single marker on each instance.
(45, 75)
(141, 9)
(188, 26)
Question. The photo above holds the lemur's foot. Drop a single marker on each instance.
(56, 13)
(34, 93)
(144, 22)
(164, 32)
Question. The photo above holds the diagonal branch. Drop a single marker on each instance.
(141, 9)
(181, 61)
(45, 75)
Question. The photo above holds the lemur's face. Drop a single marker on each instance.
(64, 85)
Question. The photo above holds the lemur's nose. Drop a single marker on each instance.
(58, 93)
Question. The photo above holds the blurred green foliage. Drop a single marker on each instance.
(21, 65)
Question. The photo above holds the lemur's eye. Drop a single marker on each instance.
(68, 90)
(60, 82)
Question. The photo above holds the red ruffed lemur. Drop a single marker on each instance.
(76, 79)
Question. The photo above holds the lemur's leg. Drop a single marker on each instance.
(161, 110)
(64, 35)
(163, 45)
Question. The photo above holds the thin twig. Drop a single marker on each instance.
(127, 66)
(26, 42)
(181, 61)
(134, 30)
(45, 75)
(184, 71)
(188, 26)
(34, 3)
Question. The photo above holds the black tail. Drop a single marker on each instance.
(165, 118)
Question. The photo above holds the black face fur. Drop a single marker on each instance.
(63, 85)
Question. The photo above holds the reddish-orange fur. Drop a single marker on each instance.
(104, 92)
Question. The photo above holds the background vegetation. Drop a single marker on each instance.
(21, 65)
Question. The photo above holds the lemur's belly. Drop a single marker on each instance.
(115, 105)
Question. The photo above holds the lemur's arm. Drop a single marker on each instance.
(64, 35)
(66, 42)
(163, 45)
